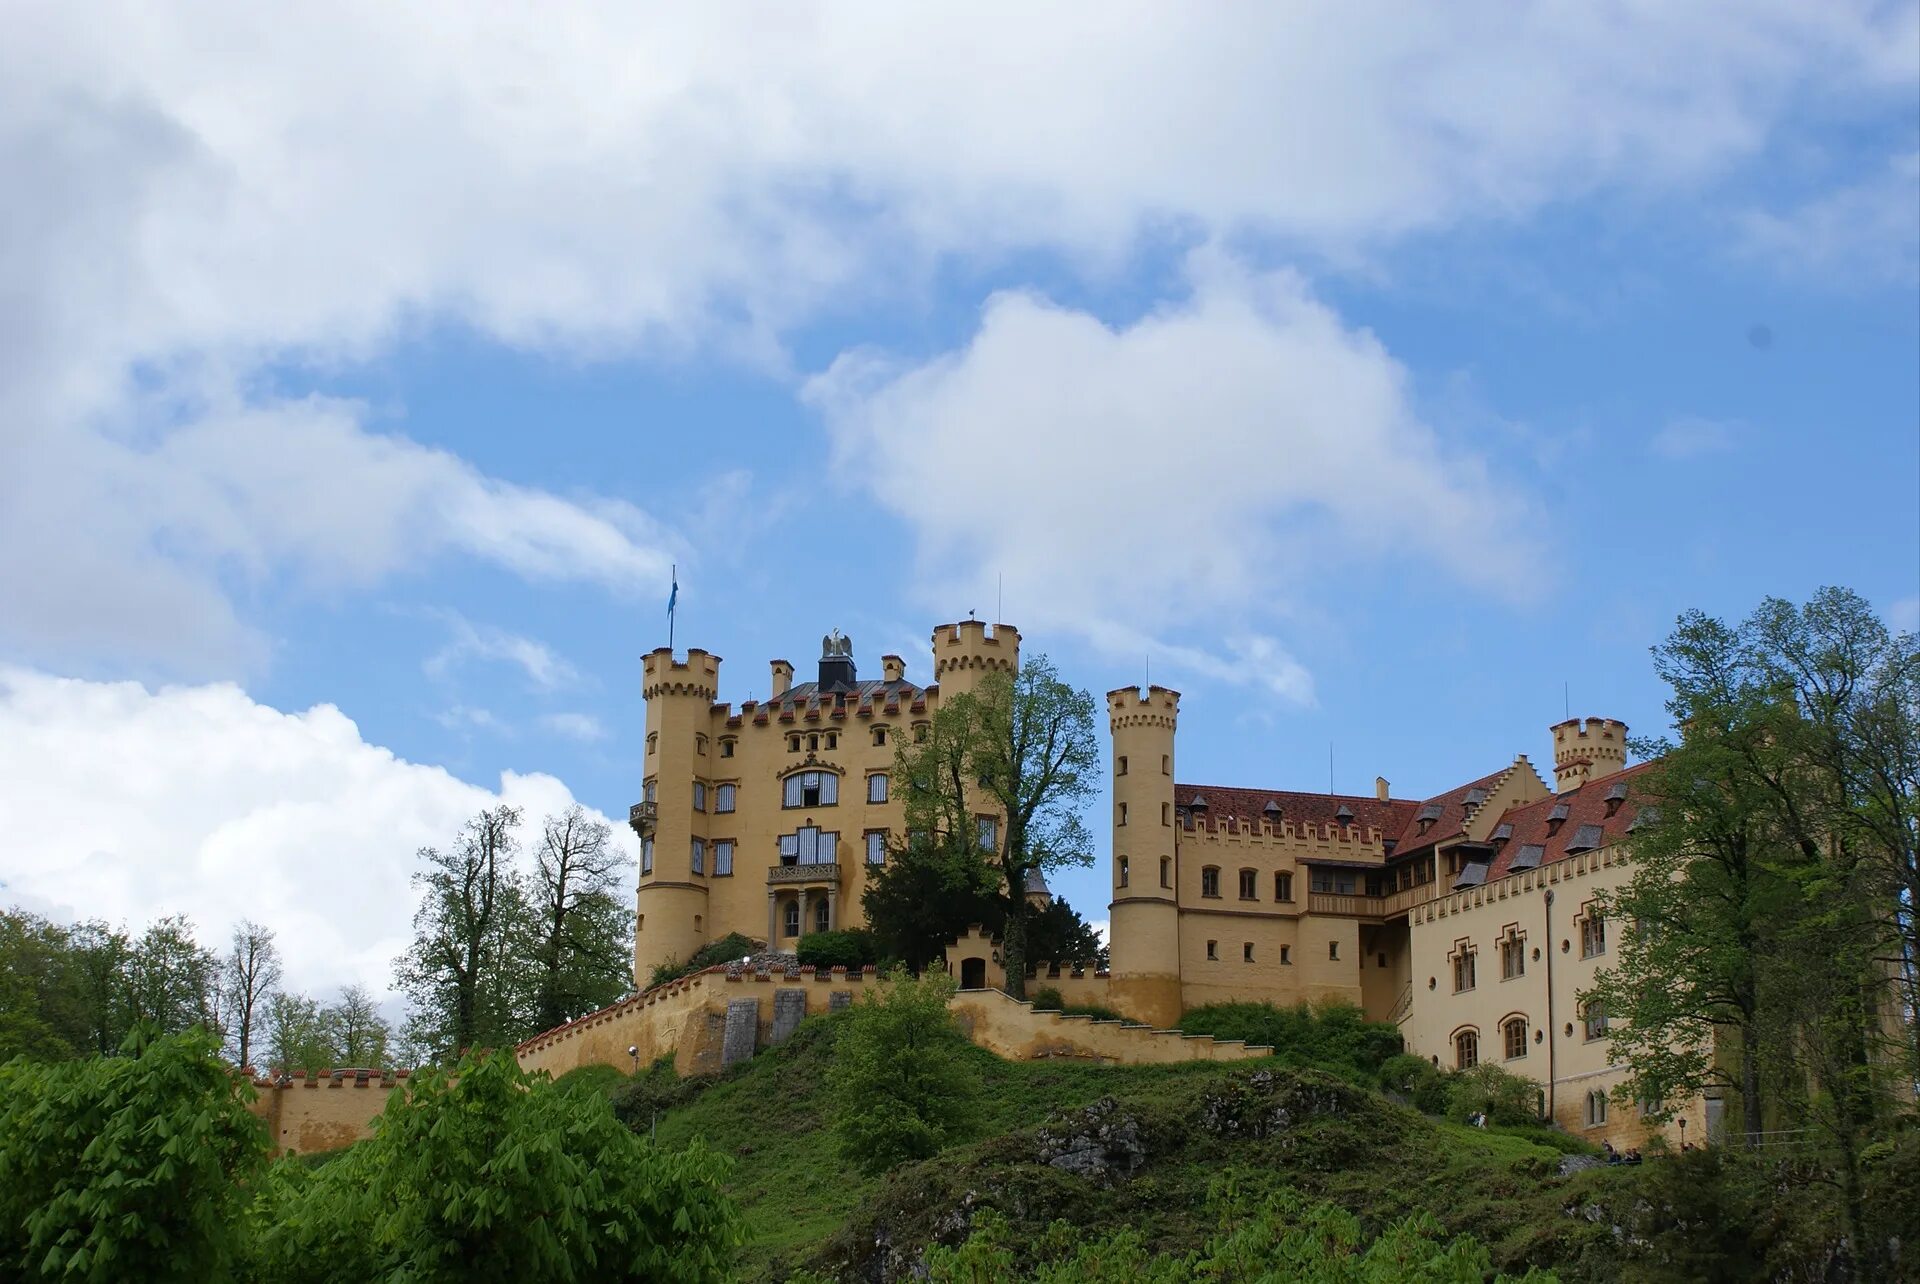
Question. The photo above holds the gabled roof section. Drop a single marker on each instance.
(1248, 808)
(1445, 816)
(1585, 827)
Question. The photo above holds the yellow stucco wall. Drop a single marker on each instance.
(1019, 1032)
(325, 1110)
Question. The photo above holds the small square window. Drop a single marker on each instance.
(726, 747)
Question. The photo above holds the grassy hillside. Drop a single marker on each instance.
(1166, 1136)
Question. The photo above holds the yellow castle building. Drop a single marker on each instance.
(1467, 919)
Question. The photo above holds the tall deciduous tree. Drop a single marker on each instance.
(463, 976)
(249, 975)
(42, 1005)
(358, 1032)
(297, 1037)
(581, 921)
(1008, 766)
(173, 980)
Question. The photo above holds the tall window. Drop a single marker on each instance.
(699, 856)
(808, 846)
(1123, 871)
(790, 920)
(699, 795)
(1596, 1109)
(1593, 1021)
(1515, 1031)
(653, 741)
(1213, 949)
(1513, 958)
(1166, 764)
(722, 857)
(1120, 765)
(723, 796)
(820, 921)
(1249, 885)
(1166, 871)
(876, 847)
(1210, 881)
(646, 856)
(649, 790)
(1463, 971)
(989, 833)
(1246, 952)
(877, 787)
(1466, 1050)
(1593, 935)
(1121, 818)
(811, 789)
(1283, 887)
(699, 744)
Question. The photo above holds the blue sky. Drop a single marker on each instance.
(1386, 385)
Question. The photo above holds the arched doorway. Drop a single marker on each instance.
(973, 974)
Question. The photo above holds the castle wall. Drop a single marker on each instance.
(324, 1110)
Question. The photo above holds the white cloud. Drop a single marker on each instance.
(471, 641)
(127, 803)
(1867, 232)
(1202, 465)
(1904, 615)
(207, 192)
(1690, 436)
(583, 727)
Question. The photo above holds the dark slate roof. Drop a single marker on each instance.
(1037, 882)
(1472, 874)
(1581, 809)
(1449, 821)
(1528, 857)
(802, 694)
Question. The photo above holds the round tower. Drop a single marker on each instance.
(1144, 917)
(673, 922)
(1590, 752)
(964, 651)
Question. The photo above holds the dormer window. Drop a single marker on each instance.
(1586, 839)
(1557, 817)
(1344, 816)
(1501, 833)
(1616, 794)
(1427, 815)
(1272, 811)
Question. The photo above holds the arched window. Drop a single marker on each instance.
(723, 796)
(877, 787)
(646, 856)
(699, 743)
(1514, 1033)
(1466, 1049)
(1596, 1108)
(1210, 881)
(699, 795)
(790, 926)
(811, 789)
(793, 744)
(653, 741)
(1249, 885)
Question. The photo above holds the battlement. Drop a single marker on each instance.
(1130, 707)
(343, 1077)
(1589, 750)
(975, 645)
(1349, 841)
(698, 675)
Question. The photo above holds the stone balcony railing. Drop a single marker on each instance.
(787, 875)
(641, 817)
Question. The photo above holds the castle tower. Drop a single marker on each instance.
(1144, 917)
(1587, 753)
(673, 920)
(964, 651)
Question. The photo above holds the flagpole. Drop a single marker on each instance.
(673, 605)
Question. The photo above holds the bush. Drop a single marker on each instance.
(1418, 1080)
(904, 1081)
(1047, 999)
(126, 1167)
(1503, 1098)
(848, 949)
(725, 950)
(642, 1099)
(1329, 1036)
(492, 1173)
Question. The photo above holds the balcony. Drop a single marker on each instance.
(1356, 905)
(803, 875)
(641, 817)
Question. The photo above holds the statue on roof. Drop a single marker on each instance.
(836, 643)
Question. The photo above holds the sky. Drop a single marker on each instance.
(1386, 380)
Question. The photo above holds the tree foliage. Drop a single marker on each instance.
(1022, 749)
(904, 1084)
(249, 976)
(580, 919)
(125, 1167)
(490, 1173)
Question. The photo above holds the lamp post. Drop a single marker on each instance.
(1683, 1133)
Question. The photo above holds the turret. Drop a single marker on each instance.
(1144, 916)
(964, 651)
(1587, 753)
(673, 921)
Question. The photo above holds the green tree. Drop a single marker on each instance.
(172, 980)
(249, 976)
(1024, 749)
(466, 974)
(126, 1167)
(100, 959)
(355, 1028)
(904, 1082)
(42, 1006)
(297, 1036)
(490, 1173)
(933, 886)
(581, 918)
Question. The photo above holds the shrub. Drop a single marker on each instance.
(849, 949)
(1047, 999)
(126, 1167)
(725, 950)
(1418, 1080)
(642, 1099)
(1330, 1036)
(1504, 1098)
(904, 1081)
(492, 1173)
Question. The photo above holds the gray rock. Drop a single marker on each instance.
(1101, 1142)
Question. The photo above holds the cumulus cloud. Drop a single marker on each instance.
(1191, 465)
(206, 193)
(544, 669)
(127, 803)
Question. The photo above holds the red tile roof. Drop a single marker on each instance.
(1586, 805)
(1452, 819)
(1247, 807)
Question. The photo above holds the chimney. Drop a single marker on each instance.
(1583, 753)
(893, 668)
(1380, 788)
(782, 678)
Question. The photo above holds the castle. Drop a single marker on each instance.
(1467, 919)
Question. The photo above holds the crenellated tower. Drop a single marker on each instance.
(962, 652)
(673, 920)
(1592, 751)
(1144, 917)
